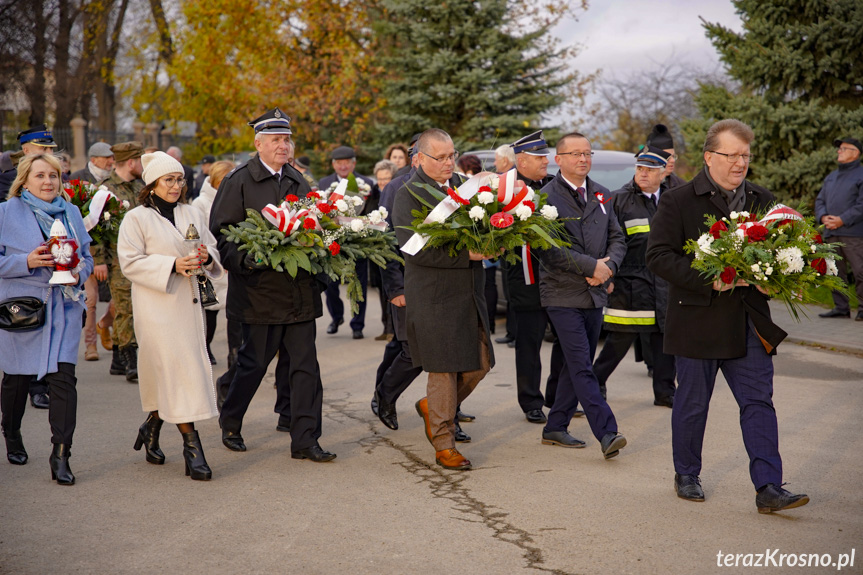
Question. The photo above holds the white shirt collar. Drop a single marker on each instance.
(277, 173)
(573, 186)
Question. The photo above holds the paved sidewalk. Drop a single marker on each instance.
(836, 334)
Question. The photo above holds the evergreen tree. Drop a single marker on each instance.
(800, 79)
(467, 67)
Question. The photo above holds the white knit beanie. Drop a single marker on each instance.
(157, 165)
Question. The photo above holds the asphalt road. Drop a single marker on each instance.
(383, 506)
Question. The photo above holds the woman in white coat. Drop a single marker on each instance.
(174, 375)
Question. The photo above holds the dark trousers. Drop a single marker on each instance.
(491, 295)
(334, 301)
(556, 368)
(578, 332)
(528, 365)
(852, 257)
(399, 374)
(617, 343)
(37, 386)
(260, 345)
(751, 381)
(63, 407)
(212, 317)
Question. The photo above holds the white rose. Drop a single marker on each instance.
(755, 268)
(485, 197)
(734, 215)
(384, 212)
(832, 270)
(126, 204)
(704, 243)
(375, 217)
(106, 216)
(357, 225)
(358, 201)
(549, 212)
(476, 213)
(744, 214)
(523, 212)
(341, 205)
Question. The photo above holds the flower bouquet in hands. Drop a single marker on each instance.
(102, 211)
(490, 215)
(781, 251)
(320, 233)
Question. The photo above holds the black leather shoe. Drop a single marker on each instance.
(667, 401)
(688, 487)
(313, 453)
(375, 403)
(835, 313)
(59, 461)
(859, 315)
(40, 401)
(148, 437)
(15, 452)
(461, 436)
(334, 327)
(464, 417)
(233, 440)
(387, 413)
(193, 454)
(535, 416)
(284, 424)
(578, 413)
(358, 334)
(773, 498)
(504, 339)
(510, 344)
(561, 438)
(611, 444)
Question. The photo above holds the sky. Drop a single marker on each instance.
(620, 37)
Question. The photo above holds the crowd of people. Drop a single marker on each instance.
(625, 273)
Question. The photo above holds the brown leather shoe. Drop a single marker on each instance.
(451, 459)
(91, 354)
(104, 336)
(423, 409)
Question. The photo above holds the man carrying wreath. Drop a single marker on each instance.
(710, 327)
(447, 323)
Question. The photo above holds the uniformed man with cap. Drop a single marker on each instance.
(277, 312)
(206, 162)
(125, 182)
(344, 162)
(522, 282)
(101, 160)
(638, 298)
(660, 137)
(33, 140)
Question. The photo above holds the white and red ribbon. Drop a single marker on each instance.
(97, 205)
(511, 191)
(287, 220)
(527, 266)
(339, 192)
(779, 212)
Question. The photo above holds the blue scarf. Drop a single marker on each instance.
(46, 213)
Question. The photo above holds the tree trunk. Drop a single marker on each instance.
(35, 88)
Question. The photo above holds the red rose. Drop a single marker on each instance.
(530, 204)
(70, 191)
(756, 233)
(818, 239)
(451, 193)
(335, 248)
(313, 194)
(716, 228)
(75, 183)
(728, 274)
(483, 189)
(820, 265)
(501, 220)
(291, 198)
(309, 223)
(324, 207)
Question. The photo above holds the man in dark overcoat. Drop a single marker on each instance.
(446, 319)
(573, 284)
(276, 311)
(710, 326)
(637, 301)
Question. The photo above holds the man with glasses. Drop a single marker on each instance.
(839, 206)
(125, 182)
(277, 312)
(573, 290)
(712, 327)
(446, 319)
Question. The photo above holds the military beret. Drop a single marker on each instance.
(127, 151)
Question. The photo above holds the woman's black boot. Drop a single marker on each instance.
(148, 436)
(15, 452)
(193, 453)
(59, 461)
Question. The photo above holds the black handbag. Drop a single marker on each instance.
(22, 314)
(208, 292)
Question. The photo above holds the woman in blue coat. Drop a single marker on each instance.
(51, 351)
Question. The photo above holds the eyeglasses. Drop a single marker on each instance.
(841, 149)
(673, 156)
(451, 158)
(577, 155)
(170, 182)
(732, 158)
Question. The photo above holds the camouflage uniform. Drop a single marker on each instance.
(121, 288)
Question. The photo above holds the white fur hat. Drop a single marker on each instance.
(157, 165)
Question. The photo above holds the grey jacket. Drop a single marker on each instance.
(842, 195)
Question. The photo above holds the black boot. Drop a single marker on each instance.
(130, 355)
(148, 436)
(15, 452)
(118, 366)
(193, 453)
(59, 461)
